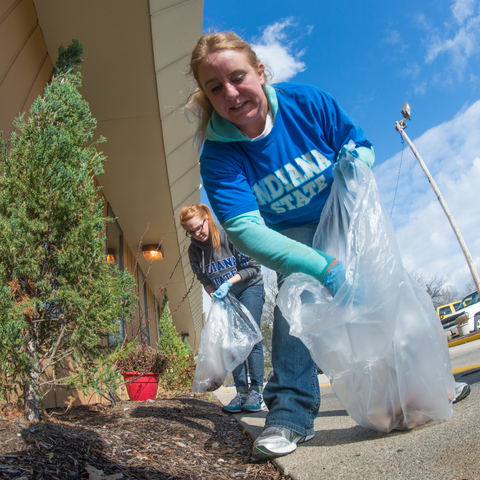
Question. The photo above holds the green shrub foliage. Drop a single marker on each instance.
(180, 369)
(58, 297)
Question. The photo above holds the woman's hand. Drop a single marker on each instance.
(222, 290)
(335, 277)
(210, 290)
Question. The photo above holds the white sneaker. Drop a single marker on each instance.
(277, 441)
(462, 390)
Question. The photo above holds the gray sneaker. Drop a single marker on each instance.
(254, 403)
(462, 390)
(277, 441)
(235, 405)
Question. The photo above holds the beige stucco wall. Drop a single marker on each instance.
(25, 67)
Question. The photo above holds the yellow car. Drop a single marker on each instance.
(447, 309)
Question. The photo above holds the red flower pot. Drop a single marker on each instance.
(141, 386)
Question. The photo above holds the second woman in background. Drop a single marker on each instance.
(221, 269)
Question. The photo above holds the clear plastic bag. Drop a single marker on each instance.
(379, 339)
(227, 339)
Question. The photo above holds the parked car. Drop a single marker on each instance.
(447, 309)
(470, 305)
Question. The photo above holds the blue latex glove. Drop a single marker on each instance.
(222, 290)
(334, 278)
(345, 170)
(347, 149)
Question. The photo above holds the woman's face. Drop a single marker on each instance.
(235, 89)
(197, 228)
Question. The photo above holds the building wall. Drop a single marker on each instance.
(25, 67)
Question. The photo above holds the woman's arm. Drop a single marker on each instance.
(235, 279)
(274, 250)
(366, 154)
(247, 267)
(210, 289)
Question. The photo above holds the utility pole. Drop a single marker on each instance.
(400, 127)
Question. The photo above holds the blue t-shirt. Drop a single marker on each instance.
(287, 175)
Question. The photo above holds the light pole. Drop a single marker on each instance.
(400, 127)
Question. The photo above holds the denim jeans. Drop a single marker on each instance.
(252, 298)
(292, 395)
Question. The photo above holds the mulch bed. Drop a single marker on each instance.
(179, 437)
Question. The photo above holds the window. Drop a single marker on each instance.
(114, 245)
(470, 299)
(114, 252)
(445, 310)
(143, 307)
(157, 316)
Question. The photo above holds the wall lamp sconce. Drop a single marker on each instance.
(152, 252)
(110, 257)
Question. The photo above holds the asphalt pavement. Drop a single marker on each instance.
(341, 449)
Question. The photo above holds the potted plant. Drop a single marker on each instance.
(141, 369)
(461, 322)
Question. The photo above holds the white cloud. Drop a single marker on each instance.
(275, 49)
(393, 37)
(420, 88)
(411, 70)
(462, 9)
(461, 46)
(458, 39)
(396, 43)
(426, 239)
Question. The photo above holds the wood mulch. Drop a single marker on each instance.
(184, 437)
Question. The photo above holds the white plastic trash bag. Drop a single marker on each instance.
(379, 339)
(228, 337)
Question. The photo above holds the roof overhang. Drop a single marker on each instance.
(135, 54)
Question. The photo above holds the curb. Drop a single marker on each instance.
(455, 371)
(470, 338)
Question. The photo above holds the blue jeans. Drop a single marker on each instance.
(293, 394)
(252, 298)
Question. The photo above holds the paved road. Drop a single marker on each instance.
(465, 355)
(341, 449)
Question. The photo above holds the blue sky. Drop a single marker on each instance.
(372, 56)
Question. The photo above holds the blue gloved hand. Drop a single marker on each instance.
(222, 290)
(346, 169)
(334, 278)
(345, 150)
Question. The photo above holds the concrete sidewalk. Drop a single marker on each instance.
(342, 449)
